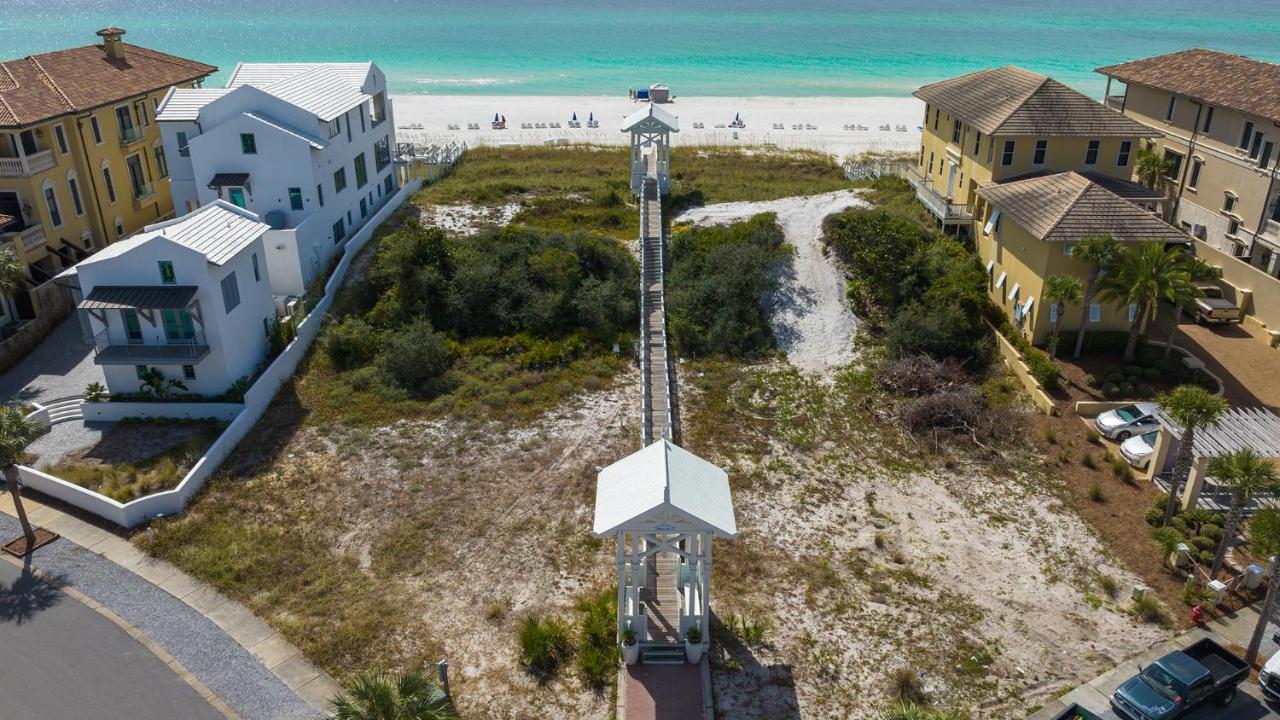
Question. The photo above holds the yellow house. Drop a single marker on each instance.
(1025, 233)
(81, 161)
(1006, 122)
(1218, 119)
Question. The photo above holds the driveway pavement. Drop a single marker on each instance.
(1249, 368)
(60, 366)
(59, 660)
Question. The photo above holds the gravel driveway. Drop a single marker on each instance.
(60, 366)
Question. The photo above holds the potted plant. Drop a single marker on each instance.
(630, 648)
(693, 645)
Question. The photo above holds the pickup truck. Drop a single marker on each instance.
(1179, 682)
(1214, 308)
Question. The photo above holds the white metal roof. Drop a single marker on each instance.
(184, 104)
(263, 74)
(1257, 429)
(318, 90)
(651, 111)
(316, 142)
(664, 482)
(219, 231)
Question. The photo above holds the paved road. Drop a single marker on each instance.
(59, 659)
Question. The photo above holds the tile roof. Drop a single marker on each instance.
(41, 87)
(1068, 207)
(1012, 101)
(114, 297)
(1127, 189)
(186, 103)
(1232, 81)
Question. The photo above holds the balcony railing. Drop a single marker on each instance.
(941, 206)
(131, 135)
(1115, 102)
(115, 349)
(143, 191)
(26, 166)
(30, 238)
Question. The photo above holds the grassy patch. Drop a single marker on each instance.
(706, 175)
(179, 446)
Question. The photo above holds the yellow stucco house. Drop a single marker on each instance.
(81, 160)
(1025, 231)
(1000, 123)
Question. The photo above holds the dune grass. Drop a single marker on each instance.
(127, 481)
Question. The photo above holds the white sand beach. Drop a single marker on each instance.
(842, 126)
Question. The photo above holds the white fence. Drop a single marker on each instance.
(115, 411)
(256, 400)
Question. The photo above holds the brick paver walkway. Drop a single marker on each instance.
(663, 692)
(1249, 368)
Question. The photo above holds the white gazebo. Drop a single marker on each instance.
(663, 505)
(651, 128)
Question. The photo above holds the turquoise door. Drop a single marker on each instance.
(178, 325)
(237, 196)
(132, 328)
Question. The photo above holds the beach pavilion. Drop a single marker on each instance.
(663, 506)
(651, 128)
(1256, 429)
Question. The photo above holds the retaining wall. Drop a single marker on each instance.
(115, 411)
(1014, 360)
(256, 400)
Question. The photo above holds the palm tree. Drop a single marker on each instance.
(1183, 292)
(1060, 290)
(1244, 473)
(16, 432)
(1099, 251)
(1152, 165)
(1264, 541)
(1192, 407)
(1142, 275)
(1167, 540)
(380, 696)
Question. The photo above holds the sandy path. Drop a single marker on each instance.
(808, 313)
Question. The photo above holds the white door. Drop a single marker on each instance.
(951, 178)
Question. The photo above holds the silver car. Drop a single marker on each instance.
(1128, 420)
(1137, 449)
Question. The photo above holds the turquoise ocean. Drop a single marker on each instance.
(698, 47)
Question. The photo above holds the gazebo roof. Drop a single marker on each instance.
(1256, 429)
(644, 115)
(663, 488)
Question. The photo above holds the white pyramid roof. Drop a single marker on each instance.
(663, 488)
(651, 111)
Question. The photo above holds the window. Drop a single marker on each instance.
(1053, 312)
(1175, 165)
(334, 127)
(177, 324)
(1228, 202)
(61, 136)
(162, 166)
(189, 372)
(1173, 104)
(86, 239)
(320, 194)
(930, 163)
(109, 185)
(124, 121)
(1133, 311)
(937, 116)
(339, 180)
(119, 228)
(142, 186)
(381, 154)
(993, 224)
(248, 144)
(977, 142)
(1042, 148)
(183, 149)
(360, 112)
(364, 208)
(74, 187)
(140, 107)
(1233, 227)
(1196, 164)
(1091, 153)
(955, 131)
(1126, 148)
(257, 277)
(991, 148)
(338, 231)
(97, 130)
(1095, 313)
(1267, 147)
(1006, 158)
(1275, 211)
(51, 202)
(1256, 147)
(349, 222)
(362, 172)
(230, 292)
(140, 371)
(1067, 249)
(388, 184)
(167, 276)
(1246, 137)
(1208, 119)
(347, 115)
(295, 198)
(236, 195)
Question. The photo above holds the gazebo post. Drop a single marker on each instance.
(705, 573)
(622, 579)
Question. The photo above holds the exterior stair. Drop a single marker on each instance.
(662, 654)
(64, 410)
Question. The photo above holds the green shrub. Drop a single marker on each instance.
(544, 645)
(876, 246)
(1126, 390)
(1093, 436)
(351, 343)
(597, 656)
(1115, 377)
(1205, 557)
(906, 686)
(1160, 365)
(1044, 370)
(1151, 375)
(1132, 370)
(1147, 608)
(1160, 500)
(95, 392)
(1092, 380)
(1120, 469)
(1144, 390)
(414, 357)
(279, 334)
(938, 331)
(1203, 543)
(1089, 462)
(1111, 391)
(1211, 531)
(1178, 522)
(1153, 516)
(1109, 585)
(1096, 493)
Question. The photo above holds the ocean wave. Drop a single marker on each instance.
(466, 81)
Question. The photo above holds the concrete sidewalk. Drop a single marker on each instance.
(1234, 629)
(246, 663)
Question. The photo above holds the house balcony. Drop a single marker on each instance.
(28, 239)
(131, 135)
(1115, 102)
(143, 194)
(939, 205)
(116, 349)
(28, 165)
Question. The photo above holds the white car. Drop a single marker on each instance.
(1269, 679)
(1128, 420)
(1137, 449)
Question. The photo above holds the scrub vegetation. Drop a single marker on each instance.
(137, 458)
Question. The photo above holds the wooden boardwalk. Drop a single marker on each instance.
(662, 599)
(658, 386)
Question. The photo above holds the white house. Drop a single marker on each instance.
(190, 297)
(306, 146)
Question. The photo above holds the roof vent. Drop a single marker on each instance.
(112, 42)
(274, 218)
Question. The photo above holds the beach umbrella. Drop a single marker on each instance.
(504, 118)
(495, 117)
(737, 117)
(591, 117)
(575, 117)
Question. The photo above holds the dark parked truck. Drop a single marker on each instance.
(1180, 682)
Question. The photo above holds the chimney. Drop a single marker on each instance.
(112, 43)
